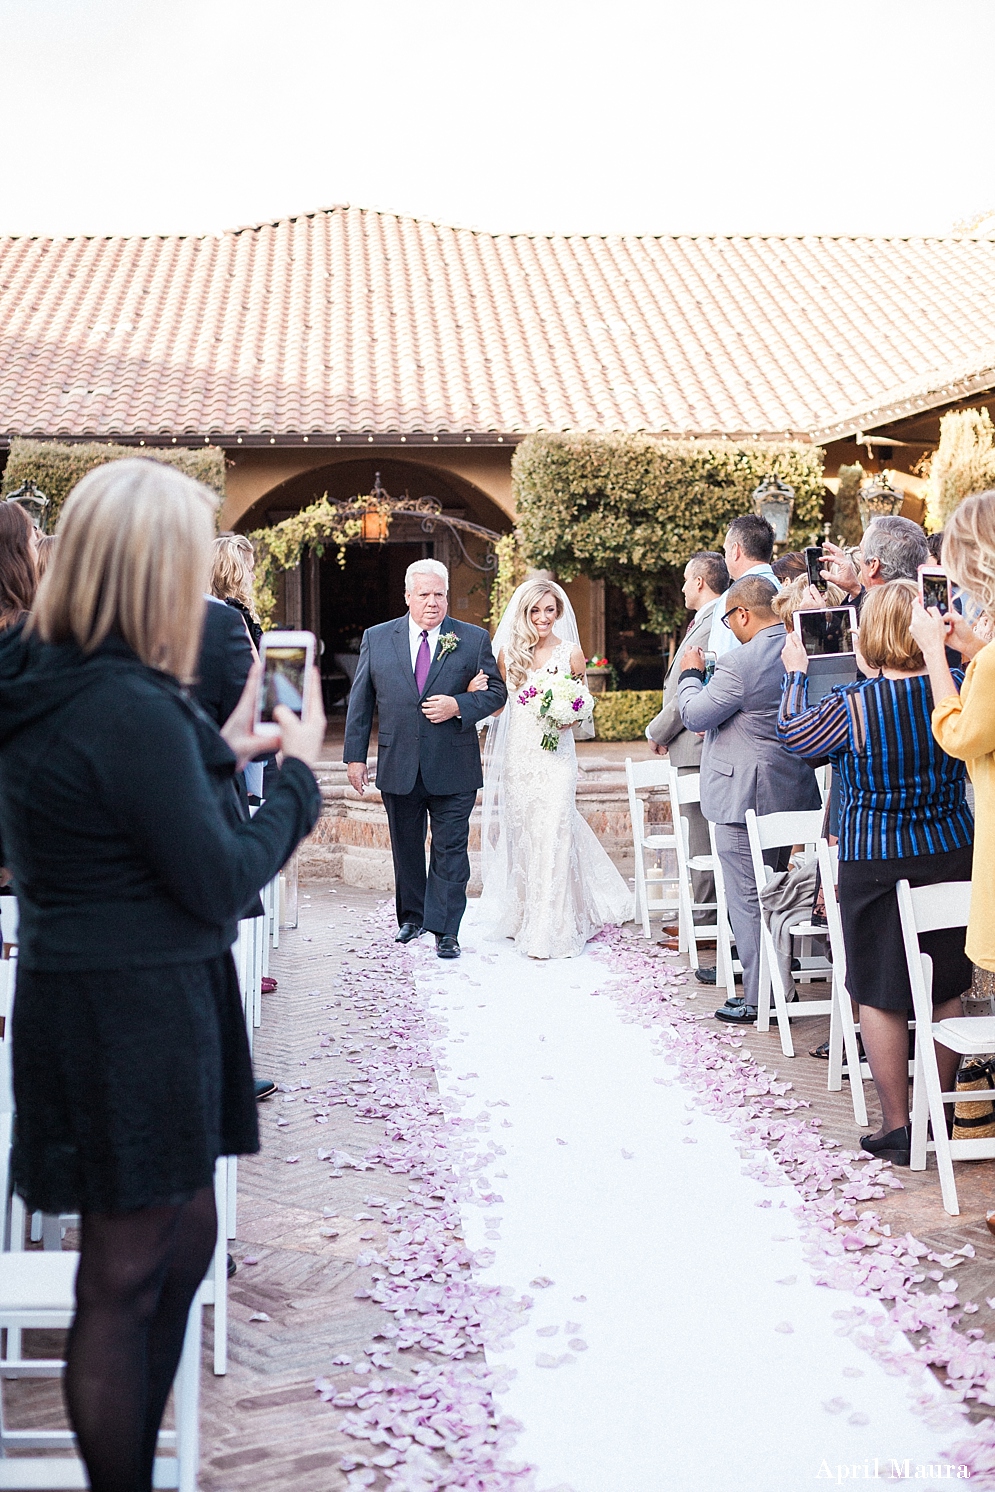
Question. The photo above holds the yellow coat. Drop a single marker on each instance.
(964, 726)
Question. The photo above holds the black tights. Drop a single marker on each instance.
(138, 1273)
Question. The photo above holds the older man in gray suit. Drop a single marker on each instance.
(743, 765)
(705, 579)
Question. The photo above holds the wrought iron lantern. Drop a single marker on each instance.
(774, 500)
(878, 499)
(32, 499)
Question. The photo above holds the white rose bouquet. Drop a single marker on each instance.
(563, 701)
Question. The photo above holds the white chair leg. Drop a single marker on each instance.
(221, 1268)
(920, 1114)
(852, 1048)
(186, 1399)
(231, 1161)
(767, 957)
(927, 1071)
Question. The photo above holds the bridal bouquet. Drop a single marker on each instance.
(563, 701)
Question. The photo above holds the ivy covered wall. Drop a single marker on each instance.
(630, 509)
(56, 466)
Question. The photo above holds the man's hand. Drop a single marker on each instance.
(657, 749)
(359, 778)
(840, 570)
(793, 654)
(692, 658)
(439, 707)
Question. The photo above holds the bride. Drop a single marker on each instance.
(547, 882)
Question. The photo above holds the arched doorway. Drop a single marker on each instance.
(338, 602)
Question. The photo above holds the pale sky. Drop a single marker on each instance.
(783, 116)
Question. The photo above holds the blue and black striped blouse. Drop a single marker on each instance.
(900, 794)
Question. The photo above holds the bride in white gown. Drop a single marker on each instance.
(547, 882)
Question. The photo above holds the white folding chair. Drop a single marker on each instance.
(925, 909)
(652, 773)
(37, 1291)
(842, 1030)
(776, 831)
(726, 967)
(687, 789)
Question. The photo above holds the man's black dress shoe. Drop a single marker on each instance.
(407, 931)
(895, 1146)
(704, 975)
(265, 1088)
(736, 1013)
(232, 1267)
(447, 946)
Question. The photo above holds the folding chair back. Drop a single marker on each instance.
(653, 773)
(778, 831)
(687, 789)
(926, 909)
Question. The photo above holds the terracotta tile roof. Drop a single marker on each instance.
(356, 321)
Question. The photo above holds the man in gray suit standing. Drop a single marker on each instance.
(415, 672)
(742, 764)
(705, 579)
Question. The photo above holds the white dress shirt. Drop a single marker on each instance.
(722, 639)
(414, 639)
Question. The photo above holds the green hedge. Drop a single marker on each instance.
(624, 715)
(56, 466)
(630, 509)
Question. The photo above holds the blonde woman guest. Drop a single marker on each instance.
(44, 550)
(132, 868)
(232, 579)
(903, 816)
(547, 882)
(964, 722)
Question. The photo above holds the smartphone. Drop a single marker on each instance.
(710, 661)
(934, 589)
(814, 561)
(287, 659)
(828, 629)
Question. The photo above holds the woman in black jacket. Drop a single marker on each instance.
(132, 868)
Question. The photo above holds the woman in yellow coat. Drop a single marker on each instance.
(964, 724)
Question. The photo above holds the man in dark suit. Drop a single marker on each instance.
(415, 671)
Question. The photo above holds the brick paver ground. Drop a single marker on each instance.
(263, 1425)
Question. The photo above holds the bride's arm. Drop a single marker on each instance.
(578, 664)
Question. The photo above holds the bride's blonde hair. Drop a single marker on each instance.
(521, 645)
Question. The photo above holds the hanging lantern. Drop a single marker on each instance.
(374, 526)
(774, 500)
(32, 500)
(878, 499)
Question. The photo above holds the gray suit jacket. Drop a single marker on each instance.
(667, 728)
(743, 765)
(447, 755)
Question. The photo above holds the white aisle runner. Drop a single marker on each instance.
(685, 1380)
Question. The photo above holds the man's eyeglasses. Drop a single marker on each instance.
(725, 620)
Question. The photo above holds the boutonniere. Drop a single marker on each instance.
(448, 643)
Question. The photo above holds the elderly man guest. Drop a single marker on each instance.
(705, 578)
(416, 671)
(743, 764)
(892, 548)
(748, 549)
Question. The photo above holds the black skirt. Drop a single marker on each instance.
(876, 971)
(129, 1083)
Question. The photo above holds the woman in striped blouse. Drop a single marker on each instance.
(903, 816)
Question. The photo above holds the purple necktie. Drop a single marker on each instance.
(423, 663)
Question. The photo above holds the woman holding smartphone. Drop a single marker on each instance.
(132, 868)
(903, 816)
(964, 718)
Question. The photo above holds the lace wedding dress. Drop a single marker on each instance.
(547, 881)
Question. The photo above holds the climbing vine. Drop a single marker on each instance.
(322, 525)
